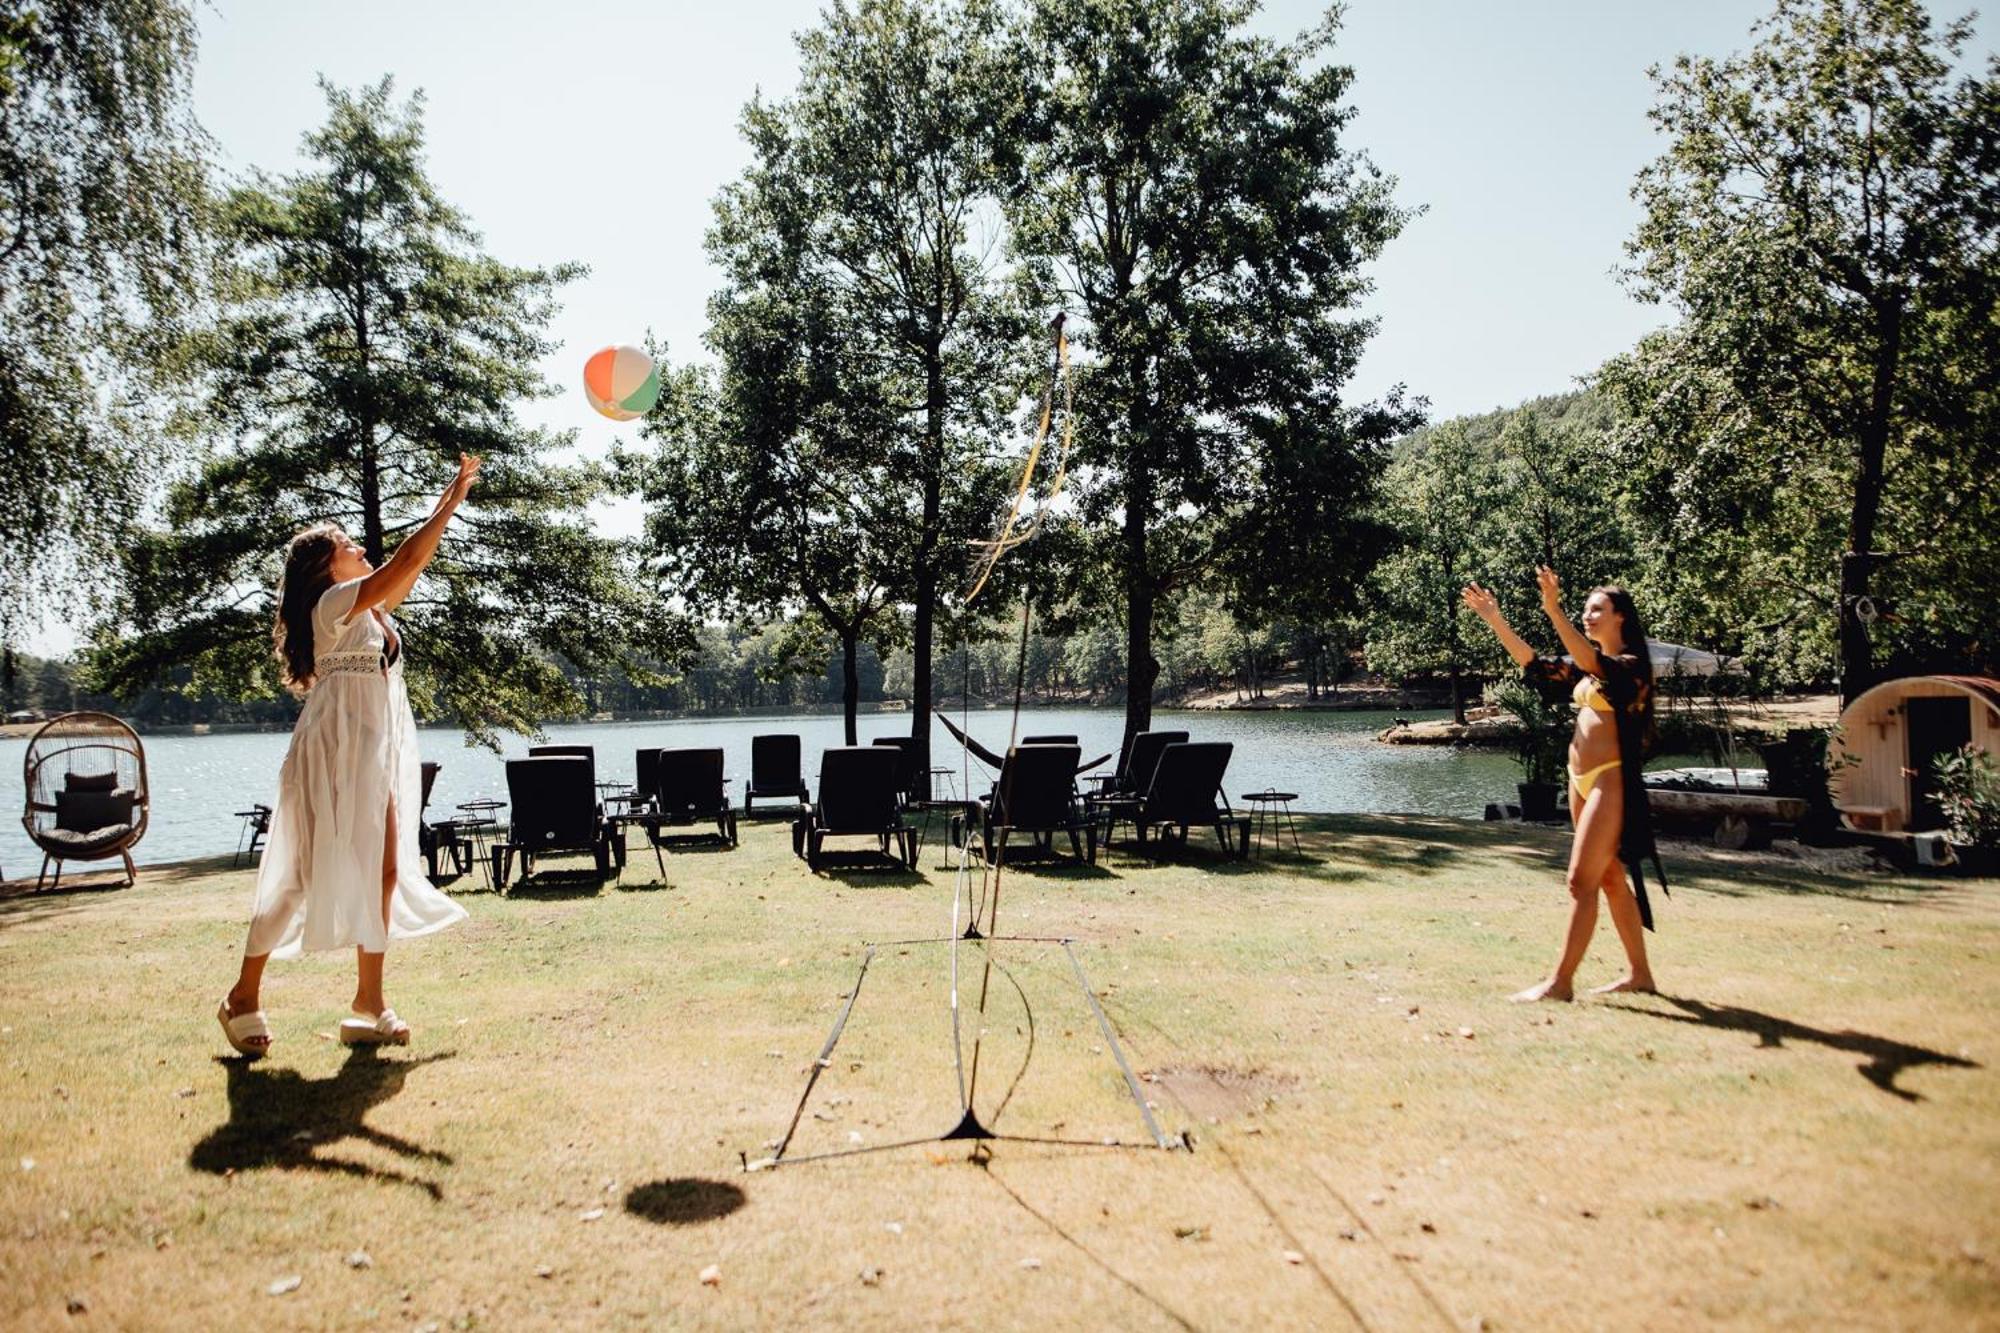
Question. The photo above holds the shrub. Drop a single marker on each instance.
(1968, 792)
(1543, 745)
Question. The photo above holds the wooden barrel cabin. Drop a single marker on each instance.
(1889, 737)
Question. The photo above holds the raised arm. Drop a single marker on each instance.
(1581, 650)
(388, 586)
(1487, 607)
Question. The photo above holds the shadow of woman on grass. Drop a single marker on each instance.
(280, 1118)
(1886, 1058)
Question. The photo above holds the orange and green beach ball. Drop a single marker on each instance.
(621, 382)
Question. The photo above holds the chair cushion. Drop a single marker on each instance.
(87, 811)
(75, 843)
(90, 782)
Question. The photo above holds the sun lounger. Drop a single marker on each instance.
(774, 771)
(552, 810)
(1186, 790)
(857, 798)
(1036, 795)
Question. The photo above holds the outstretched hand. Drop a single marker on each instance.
(1551, 590)
(468, 472)
(1479, 601)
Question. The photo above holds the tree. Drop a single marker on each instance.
(1438, 499)
(766, 492)
(102, 251)
(1824, 220)
(1186, 190)
(365, 343)
(890, 145)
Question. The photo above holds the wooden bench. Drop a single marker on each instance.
(1872, 818)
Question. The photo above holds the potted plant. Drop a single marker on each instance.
(1541, 746)
(1968, 792)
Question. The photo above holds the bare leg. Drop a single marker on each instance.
(243, 996)
(1624, 908)
(368, 966)
(1598, 819)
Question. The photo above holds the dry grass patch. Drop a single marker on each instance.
(1805, 1131)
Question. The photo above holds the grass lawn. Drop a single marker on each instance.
(1804, 1132)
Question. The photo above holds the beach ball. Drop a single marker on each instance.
(621, 382)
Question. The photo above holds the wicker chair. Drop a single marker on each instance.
(87, 794)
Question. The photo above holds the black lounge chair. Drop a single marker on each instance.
(1187, 790)
(774, 771)
(857, 799)
(1049, 740)
(1118, 799)
(1036, 794)
(906, 767)
(552, 811)
(1135, 775)
(437, 837)
(645, 775)
(688, 788)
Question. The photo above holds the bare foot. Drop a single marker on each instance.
(1548, 990)
(1631, 985)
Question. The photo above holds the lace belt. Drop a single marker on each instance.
(350, 664)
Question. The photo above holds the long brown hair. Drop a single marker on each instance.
(1634, 630)
(308, 573)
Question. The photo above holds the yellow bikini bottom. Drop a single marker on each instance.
(1583, 782)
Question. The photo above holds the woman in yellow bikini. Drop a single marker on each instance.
(1609, 674)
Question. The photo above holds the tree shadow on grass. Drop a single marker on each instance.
(683, 1201)
(280, 1118)
(1730, 879)
(1886, 1058)
(21, 903)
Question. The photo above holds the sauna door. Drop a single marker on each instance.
(1935, 727)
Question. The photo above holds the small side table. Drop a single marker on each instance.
(1266, 807)
(480, 827)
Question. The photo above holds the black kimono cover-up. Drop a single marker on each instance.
(1630, 696)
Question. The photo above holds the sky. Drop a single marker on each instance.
(599, 132)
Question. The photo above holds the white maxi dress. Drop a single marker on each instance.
(353, 754)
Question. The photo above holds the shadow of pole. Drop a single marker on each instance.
(280, 1118)
(1885, 1060)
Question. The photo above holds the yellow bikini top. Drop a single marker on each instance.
(1588, 694)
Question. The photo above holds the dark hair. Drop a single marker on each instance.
(1634, 630)
(308, 573)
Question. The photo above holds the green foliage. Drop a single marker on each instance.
(1543, 743)
(1437, 499)
(839, 458)
(1824, 220)
(1968, 792)
(102, 253)
(1185, 190)
(887, 157)
(364, 343)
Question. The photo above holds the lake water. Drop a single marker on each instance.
(1331, 759)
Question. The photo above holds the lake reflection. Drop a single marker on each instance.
(1330, 759)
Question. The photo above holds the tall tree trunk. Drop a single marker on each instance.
(372, 538)
(1453, 655)
(850, 681)
(1141, 667)
(1857, 667)
(924, 627)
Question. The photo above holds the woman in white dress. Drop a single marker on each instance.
(341, 865)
